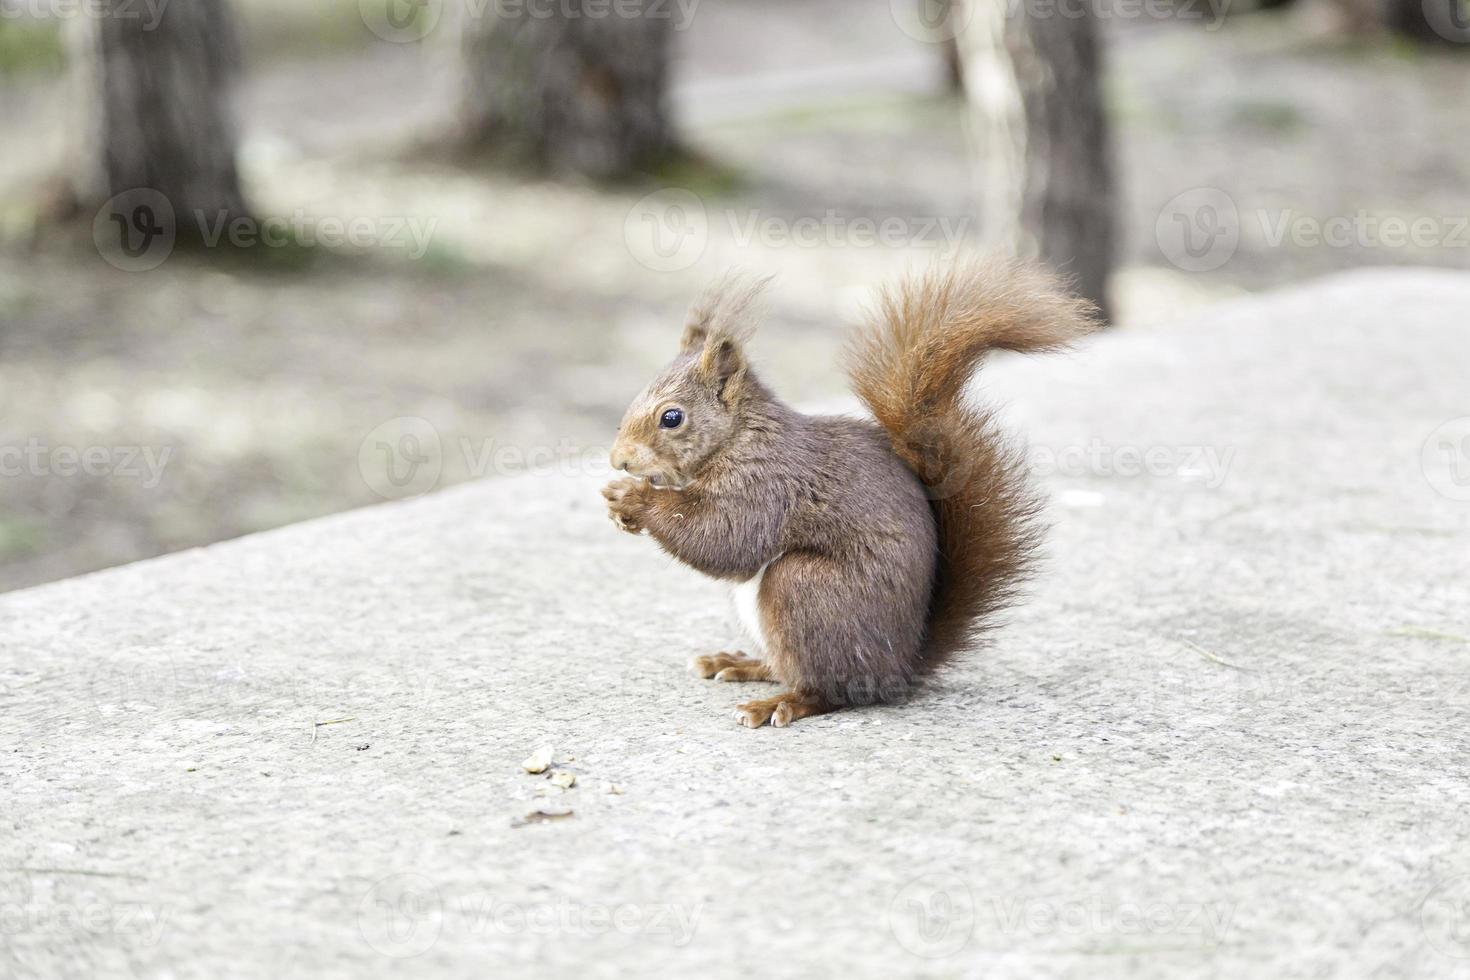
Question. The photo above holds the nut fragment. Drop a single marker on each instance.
(539, 761)
(563, 778)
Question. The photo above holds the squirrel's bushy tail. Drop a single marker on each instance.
(910, 367)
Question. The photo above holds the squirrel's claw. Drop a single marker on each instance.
(753, 714)
(746, 672)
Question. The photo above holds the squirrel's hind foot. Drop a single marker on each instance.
(781, 710)
(735, 666)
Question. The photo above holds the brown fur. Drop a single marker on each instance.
(911, 367)
(865, 583)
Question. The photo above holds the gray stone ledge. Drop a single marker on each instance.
(1227, 735)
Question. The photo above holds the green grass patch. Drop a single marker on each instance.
(30, 47)
(269, 29)
(1275, 117)
(878, 111)
(442, 260)
(704, 175)
(20, 538)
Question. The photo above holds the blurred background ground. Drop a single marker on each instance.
(536, 307)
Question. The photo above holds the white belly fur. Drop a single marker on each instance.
(747, 606)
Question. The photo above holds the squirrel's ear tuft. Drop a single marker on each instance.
(729, 307)
(719, 324)
(695, 334)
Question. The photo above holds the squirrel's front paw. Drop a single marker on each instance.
(781, 710)
(626, 503)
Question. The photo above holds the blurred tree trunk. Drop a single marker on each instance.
(1042, 155)
(574, 93)
(954, 68)
(154, 99)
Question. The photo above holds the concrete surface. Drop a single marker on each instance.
(1227, 737)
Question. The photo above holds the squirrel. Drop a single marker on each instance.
(866, 553)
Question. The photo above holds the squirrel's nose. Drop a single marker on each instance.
(619, 459)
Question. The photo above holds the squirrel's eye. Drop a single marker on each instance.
(671, 419)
